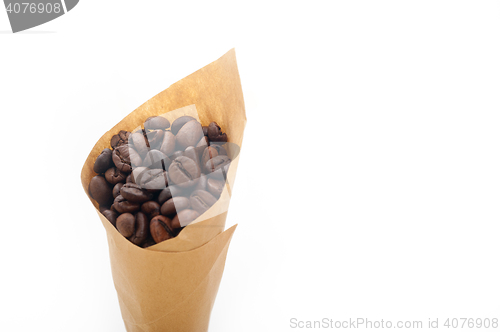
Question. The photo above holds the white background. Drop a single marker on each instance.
(368, 184)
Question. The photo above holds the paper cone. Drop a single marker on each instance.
(172, 286)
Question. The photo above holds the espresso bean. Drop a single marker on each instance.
(205, 130)
(133, 227)
(215, 133)
(184, 218)
(120, 139)
(123, 206)
(156, 122)
(219, 147)
(202, 183)
(216, 163)
(201, 200)
(179, 122)
(103, 161)
(116, 189)
(151, 209)
(215, 187)
(184, 172)
(114, 176)
(189, 135)
(134, 193)
(125, 158)
(136, 173)
(194, 154)
(168, 193)
(161, 229)
(155, 138)
(101, 190)
(140, 143)
(174, 205)
(156, 159)
(153, 179)
(111, 216)
(208, 154)
(129, 179)
(168, 144)
(176, 154)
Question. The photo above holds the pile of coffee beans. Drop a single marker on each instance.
(154, 181)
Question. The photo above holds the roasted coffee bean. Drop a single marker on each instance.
(134, 193)
(184, 172)
(155, 138)
(120, 139)
(174, 205)
(184, 218)
(216, 163)
(203, 143)
(219, 147)
(116, 189)
(103, 161)
(215, 134)
(153, 179)
(179, 122)
(201, 200)
(156, 159)
(205, 130)
(111, 216)
(140, 143)
(156, 122)
(168, 144)
(151, 209)
(161, 228)
(114, 176)
(215, 187)
(101, 190)
(125, 158)
(189, 135)
(121, 205)
(129, 179)
(208, 154)
(133, 227)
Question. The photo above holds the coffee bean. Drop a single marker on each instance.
(168, 144)
(193, 153)
(174, 205)
(135, 228)
(215, 187)
(161, 228)
(140, 143)
(155, 138)
(129, 179)
(134, 193)
(153, 179)
(216, 163)
(151, 209)
(156, 122)
(189, 135)
(184, 217)
(113, 176)
(116, 189)
(202, 183)
(111, 216)
(123, 206)
(101, 190)
(103, 161)
(184, 172)
(215, 134)
(120, 139)
(201, 200)
(136, 173)
(176, 154)
(219, 146)
(208, 154)
(125, 158)
(179, 122)
(205, 130)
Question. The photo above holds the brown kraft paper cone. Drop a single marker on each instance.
(172, 286)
